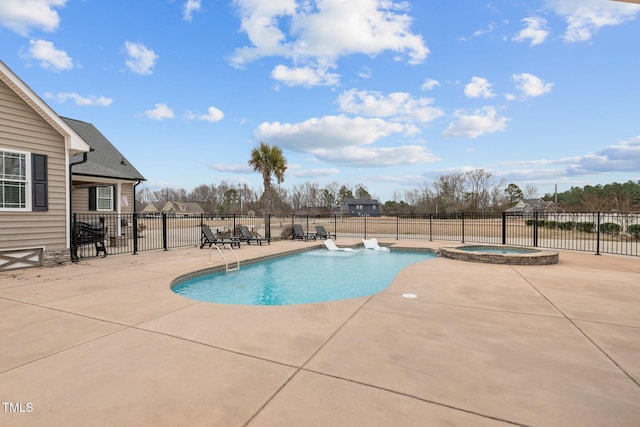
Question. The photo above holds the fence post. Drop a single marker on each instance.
(462, 227)
(504, 228)
(335, 226)
(293, 221)
(135, 233)
(365, 226)
(164, 231)
(431, 227)
(397, 227)
(598, 235)
(535, 229)
(233, 233)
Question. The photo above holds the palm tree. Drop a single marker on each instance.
(268, 161)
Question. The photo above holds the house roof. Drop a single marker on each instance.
(74, 142)
(184, 207)
(533, 205)
(105, 160)
(187, 207)
(361, 202)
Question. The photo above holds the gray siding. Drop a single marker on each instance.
(22, 129)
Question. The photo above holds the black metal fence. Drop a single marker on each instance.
(612, 233)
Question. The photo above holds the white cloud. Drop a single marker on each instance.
(213, 115)
(530, 85)
(49, 57)
(232, 167)
(299, 171)
(399, 106)
(430, 84)
(623, 157)
(365, 73)
(160, 112)
(140, 59)
(585, 17)
(482, 121)
(377, 156)
(479, 33)
(304, 76)
(342, 140)
(535, 31)
(478, 88)
(22, 15)
(316, 33)
(191, 6)
(80, 100)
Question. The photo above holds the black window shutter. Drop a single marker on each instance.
(93, 199)
(39, 183)
(115, 198)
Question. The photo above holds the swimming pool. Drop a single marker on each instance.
(303, 278)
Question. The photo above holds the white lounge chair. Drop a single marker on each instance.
(331, 245)
(373, 244)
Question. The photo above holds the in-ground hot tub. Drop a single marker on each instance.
(495, 254)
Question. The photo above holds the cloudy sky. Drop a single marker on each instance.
(386, 93)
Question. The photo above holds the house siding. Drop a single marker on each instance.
(22, 129)
(80, 199)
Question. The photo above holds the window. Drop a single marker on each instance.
(23, 181)
(14, 183)
(104, 198)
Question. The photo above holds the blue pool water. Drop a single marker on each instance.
(303, 278)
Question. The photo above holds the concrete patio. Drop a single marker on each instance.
(106, 342)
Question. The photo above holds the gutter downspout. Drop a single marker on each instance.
(72, 239)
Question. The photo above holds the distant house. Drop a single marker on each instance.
(361, 207)
(173, 208)
(51, 168)
(153, 208)
(529, 206)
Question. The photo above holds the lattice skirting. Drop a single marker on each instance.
(21, 258)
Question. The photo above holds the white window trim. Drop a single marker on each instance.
(98, 198)
(29, 181)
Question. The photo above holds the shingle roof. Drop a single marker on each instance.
(361, 202)
(189, 207)
(105, 161)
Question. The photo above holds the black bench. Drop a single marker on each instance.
(85, 233)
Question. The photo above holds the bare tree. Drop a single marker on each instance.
(530, 191)
(479, 184)
(449, 192)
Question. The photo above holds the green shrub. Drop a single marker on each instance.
(529, 222)
(568, 225)
(610, 228)
(587, 227)
(551, 224)
(634, 230)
